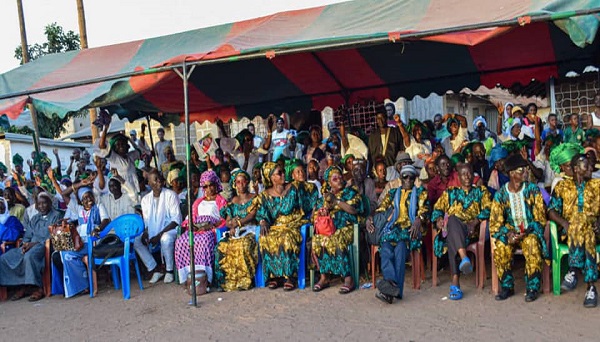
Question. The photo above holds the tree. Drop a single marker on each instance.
(57, 41)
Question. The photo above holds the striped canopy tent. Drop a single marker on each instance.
(324, 56)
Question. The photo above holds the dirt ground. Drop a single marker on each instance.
(161, 312)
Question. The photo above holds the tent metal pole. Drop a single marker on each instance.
(312, 46)
(185, 77)
(552, 96)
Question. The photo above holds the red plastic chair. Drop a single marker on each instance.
(545, 268)
(418, 267)
(476, 248)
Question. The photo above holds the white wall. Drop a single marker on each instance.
(10, 148)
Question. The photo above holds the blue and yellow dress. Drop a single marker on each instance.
(281, 246)
(332, 251)
(400, 230)
(466, 206)
(511, 212)
(236, 257)
(580, 205)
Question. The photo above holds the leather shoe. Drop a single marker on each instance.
(505, 293)
(384, 298)
(531, 296)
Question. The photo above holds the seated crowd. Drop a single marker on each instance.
(395, 184)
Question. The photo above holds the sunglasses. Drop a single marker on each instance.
(407, 176)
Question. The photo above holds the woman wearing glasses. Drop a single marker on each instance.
(280, 214)
(330, 248)
(205, 217)
(517, 220)
(410, 211)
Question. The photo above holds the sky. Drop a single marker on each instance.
(116, 21)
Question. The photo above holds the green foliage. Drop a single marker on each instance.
(58, 41)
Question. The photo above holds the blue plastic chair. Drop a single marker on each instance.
(259, 280)
(127, 227)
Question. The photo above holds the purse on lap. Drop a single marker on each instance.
(65, 237)
(324, 223)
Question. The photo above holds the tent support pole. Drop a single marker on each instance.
(185, 75)
(552, 96)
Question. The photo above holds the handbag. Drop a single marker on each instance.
(107, 247)
(324, 223)
(65, 236)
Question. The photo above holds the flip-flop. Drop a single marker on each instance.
(345, 289)
(455, 293)
(273, 284)
(320, 287)
(465, 266)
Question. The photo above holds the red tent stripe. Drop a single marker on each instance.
(302, 70)
(350, 68)
(168, 97)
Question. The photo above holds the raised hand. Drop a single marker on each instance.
(55, 151)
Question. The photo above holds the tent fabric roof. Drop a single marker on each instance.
(317, 77)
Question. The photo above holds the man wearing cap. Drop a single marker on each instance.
(575, 206)
(393, 174)
(276, 141)
(517, 221)
(384, 140)
(410, 212)
(457, 215)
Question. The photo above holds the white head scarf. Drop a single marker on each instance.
(4, 216)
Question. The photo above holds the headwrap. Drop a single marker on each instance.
(408, 169)
(236, 173)
(3, 167)
(555, 138)
(257, 166)
(44, 194)
(17, 159)
(479, 119)
(592, 133)
(507, 115)
(290, 166)
(514, 161)
(291, 134)
(449, 123)
(516, 145)
(497, 153)
(82, 191)
(211, 176)
(113, 140)
(517, 109)
(6, 214)
(45, 159)
(267, 171)
(172, 175)
(468, 149)
(412, 123)
(346, 157)
(168, 148)
(241, 136)
(512, 124)
(456, 158)
(327, 175)
(563, 153)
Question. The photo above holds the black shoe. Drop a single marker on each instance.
(591, 297)
(384, 298)
(569, 283)
(388, 288)
(505, 293)
(531, 296)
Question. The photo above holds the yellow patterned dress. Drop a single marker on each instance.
(400, 230)
(281, 246)
(580, 205)
(512, 212)
(236, 258)
(332, 251)
(466, 206)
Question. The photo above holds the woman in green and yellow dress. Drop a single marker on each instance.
(344, 205)
(280, 215)
(236, 255)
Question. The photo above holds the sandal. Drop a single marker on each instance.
(18, 295)
(345, 289)
(465, 265)
(455, 293)
(320, 287)
(273, 284)
(289, 285)
(37, 295)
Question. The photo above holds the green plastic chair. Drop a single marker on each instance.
(559, 250)
(352, 251)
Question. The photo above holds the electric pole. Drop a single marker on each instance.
(84, 45)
